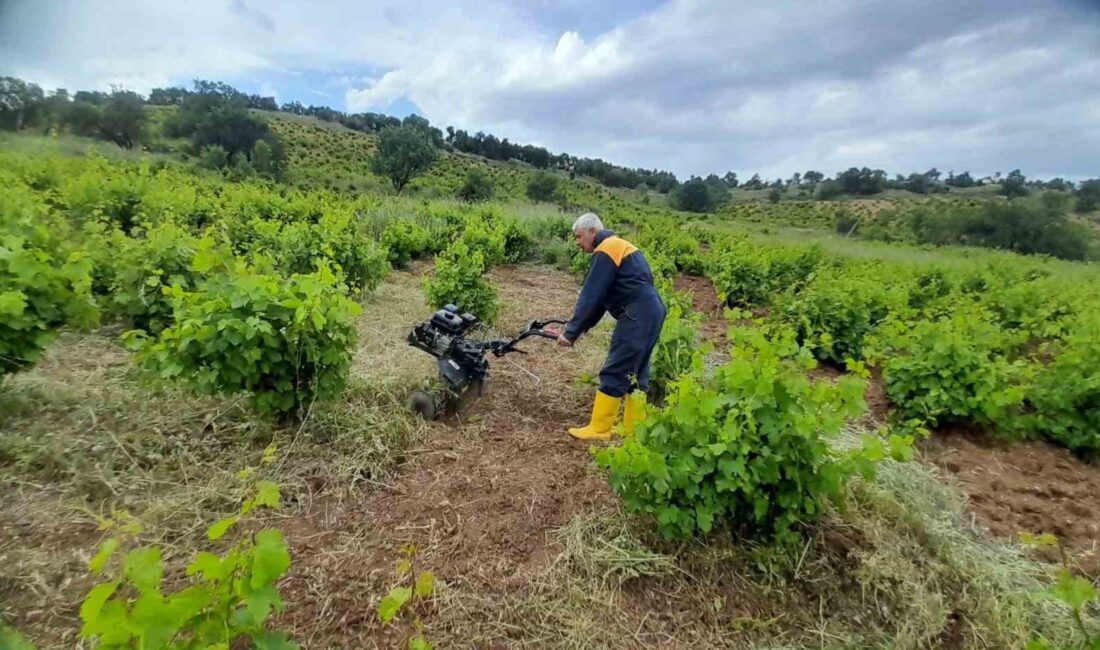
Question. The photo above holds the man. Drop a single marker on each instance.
(619, 282)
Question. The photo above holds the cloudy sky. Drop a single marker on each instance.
(773, 86)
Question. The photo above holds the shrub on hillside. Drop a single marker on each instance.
(1064, 400)
(213, 156)
(476, 187)
(458, 281)
(284, 341)
(519, 243)
(542, 186)
(42, 289)
(847, 223)
(405, 240)
(299, 247)
(403, 152)
(145, 268)
(486, 237)
(834, 314)
(1031, 227)
(680, 246)
(745, 448)
(828, 191)
(697, 195)
(947, 370)
(1087, 196)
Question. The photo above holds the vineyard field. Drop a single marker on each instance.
(203, 384)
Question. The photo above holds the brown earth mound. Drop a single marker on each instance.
(1025, 486)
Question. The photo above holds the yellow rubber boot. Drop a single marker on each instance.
(605, 412)
(633, 412)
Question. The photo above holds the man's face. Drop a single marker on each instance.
(586, 239)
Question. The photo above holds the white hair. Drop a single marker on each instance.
(587, 221)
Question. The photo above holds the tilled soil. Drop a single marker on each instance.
(704, 299)
(1025, 486)
(480, 497)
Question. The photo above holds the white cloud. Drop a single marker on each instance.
(695, 85)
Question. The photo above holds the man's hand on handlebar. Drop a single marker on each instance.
(562, 341)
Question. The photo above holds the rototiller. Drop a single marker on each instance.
(463, 365)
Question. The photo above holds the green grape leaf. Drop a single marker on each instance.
(393, 602)
(106, 550)
(270, 558)
(92, 606)
(1072, 590)
(142, 566)
(221, 527)
(273, 641)
(267, 494)
(425, 584)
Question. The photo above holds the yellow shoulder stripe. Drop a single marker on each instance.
(616, 248)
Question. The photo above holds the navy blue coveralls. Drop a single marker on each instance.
(620, 282)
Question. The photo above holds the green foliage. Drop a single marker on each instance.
(948, 371)
(300, 246)
(213, 156)
(518, 240)
(678, 351)
(41, 287)
(477, 187)
(680, 246)
(11, 639)
(286, 341)
(1064, 400)
(745, 448)
(405, 240)
(1014, 185)
(269, 157)
(847, 222)
(697, 195)
(828, 191)
(1032, 227)
(1071, 590)
(458, 281)
(19, 102)
(213, 119)
(409, 597)
(228, 597)
(1087, 195)
(746, 273)
(403, 152)
(542, 186)
(580, 263)
(740, 277)
(145, 268)
(123, 118)
(483, 236)
(834, 314)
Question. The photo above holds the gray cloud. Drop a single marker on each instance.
(689, 85)
(259, 18)
(836, 85)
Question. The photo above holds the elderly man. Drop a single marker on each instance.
(619, 282)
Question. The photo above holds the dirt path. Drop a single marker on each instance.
(480, 498)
